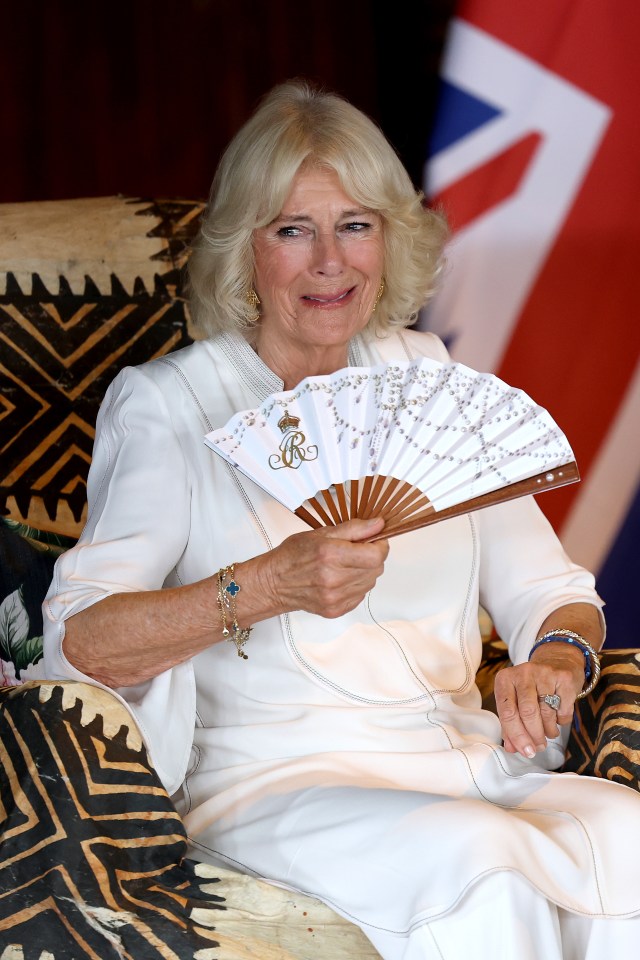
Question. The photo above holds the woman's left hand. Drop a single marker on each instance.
(527, 721)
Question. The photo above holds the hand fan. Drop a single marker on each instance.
(415, 441)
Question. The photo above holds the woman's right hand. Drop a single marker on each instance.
(130, 637)
(326, 571)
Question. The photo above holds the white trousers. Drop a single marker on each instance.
(417, 892)
(503, 918)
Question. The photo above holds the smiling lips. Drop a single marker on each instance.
(330, 300)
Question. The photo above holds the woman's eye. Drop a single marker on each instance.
(356, 226)
(289, 232)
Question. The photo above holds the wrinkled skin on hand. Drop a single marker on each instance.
(527, 723)
(327, 571)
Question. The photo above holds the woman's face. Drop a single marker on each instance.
(318, 268)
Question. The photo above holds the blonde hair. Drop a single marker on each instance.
(295, 124)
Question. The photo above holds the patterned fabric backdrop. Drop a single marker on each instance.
(68, 323)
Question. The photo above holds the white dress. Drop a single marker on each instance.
(272, 760)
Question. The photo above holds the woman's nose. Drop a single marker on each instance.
(328, 255)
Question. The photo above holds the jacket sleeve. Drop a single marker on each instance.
(136, 530)
(525, 574)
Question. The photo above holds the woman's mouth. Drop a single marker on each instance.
(330, 299)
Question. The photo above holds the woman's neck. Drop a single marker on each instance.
(294, 365)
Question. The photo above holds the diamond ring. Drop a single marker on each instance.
(552, 699)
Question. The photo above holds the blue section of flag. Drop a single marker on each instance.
(619, 582)
(459, 113)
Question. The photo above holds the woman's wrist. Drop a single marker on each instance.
(243, 599)
(571, 641)
(228, 588)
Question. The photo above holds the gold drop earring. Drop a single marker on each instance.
(253, 300)
(378, 295)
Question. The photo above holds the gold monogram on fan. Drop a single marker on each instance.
(292, 449)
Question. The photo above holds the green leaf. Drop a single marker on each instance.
(14, 626)
(29, 654)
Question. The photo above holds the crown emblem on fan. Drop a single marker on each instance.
(287, 422)
(414, 441)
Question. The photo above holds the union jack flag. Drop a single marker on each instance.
(535, 157)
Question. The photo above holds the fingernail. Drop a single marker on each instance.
(529, 752)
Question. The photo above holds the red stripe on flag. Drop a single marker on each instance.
(487, 185)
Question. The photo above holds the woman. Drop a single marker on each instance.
(349, 756)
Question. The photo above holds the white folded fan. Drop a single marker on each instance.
(415, 441)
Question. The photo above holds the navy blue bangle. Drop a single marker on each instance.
(567, 636)
(590, 655)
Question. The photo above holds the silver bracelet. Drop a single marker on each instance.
(592, 661)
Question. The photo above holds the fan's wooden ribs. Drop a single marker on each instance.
(406, 508)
